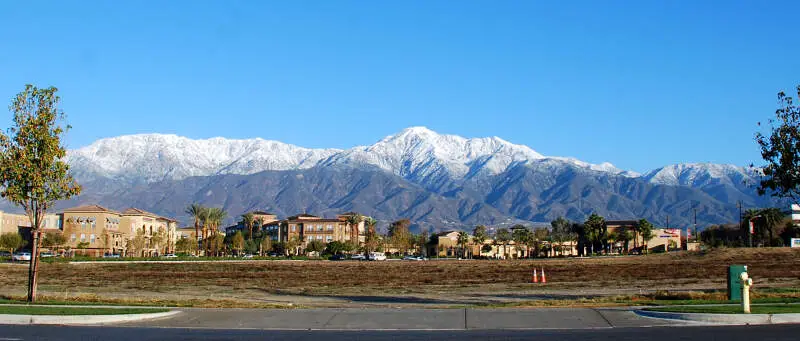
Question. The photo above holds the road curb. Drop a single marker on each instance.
(733, 319)
(81, 319)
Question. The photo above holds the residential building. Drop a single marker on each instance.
(158, 233)
(265, 218)
(94, 230)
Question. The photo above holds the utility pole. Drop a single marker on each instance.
(739, 205)
(695, 221)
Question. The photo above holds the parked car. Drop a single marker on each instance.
(46, 254)
(111, 255)
(247, 256)
(21, 256)
(169, 255)
(636, 251)
(414, 258)
(376, 256)
(338, 257)
(5, 254)
(358, 256)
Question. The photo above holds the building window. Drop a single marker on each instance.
(292, 228)
(328, 239)
(83, 225)
(330, 227)
(93, 225)
(83, 238)
(72, 237)
(319, 237)
(91, 238)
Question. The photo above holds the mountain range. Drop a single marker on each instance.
(438, 181)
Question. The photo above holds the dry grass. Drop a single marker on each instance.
(320, 283)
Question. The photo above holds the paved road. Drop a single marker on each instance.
(704, 333)
(404, 319)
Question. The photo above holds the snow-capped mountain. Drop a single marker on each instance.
(415, 153)
(699, 174)
(436, 180)
(155, 157)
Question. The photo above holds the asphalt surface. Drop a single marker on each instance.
(726, 333)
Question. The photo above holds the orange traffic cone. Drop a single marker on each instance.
(544, 279)
(534, 279)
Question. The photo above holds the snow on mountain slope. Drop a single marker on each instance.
(699, 174)
(153, 157)
(416, 153)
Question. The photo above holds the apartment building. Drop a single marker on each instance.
(19, 223)
(159, 233)
(94, 230)
(266, 219)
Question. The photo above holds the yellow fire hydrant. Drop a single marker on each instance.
(747, 282)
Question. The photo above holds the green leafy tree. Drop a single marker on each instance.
(579, 231)
(502, 236)
(315, 246)
(105, 239)
(251, 246)
(521, 235)
(780, 149)
(399, 235)
(185, 245)
(561, 233)
(157, 239)
(537, 239)
(33, 173)
(595, 227)
(422, 243)
(237, 242)
(335, 247)
(264, 245)
(349, 246)
(11, 241)
(216, 244)
(137, 244)
(479, 235)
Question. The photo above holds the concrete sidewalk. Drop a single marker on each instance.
(405, 319)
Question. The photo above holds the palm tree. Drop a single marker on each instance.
(353, 220)
(259, 225)
(197, 212)
(595, 230)
(645, 229)
(213, 219)
(247, 221)
(521, 236)
(371, 239)
(463, 240)
(479, 236)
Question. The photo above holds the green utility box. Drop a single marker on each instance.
(734, 283)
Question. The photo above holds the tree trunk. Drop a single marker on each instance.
(33, 269)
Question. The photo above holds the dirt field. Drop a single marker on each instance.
(402, 283)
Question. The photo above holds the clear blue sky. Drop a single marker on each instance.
(640, 84)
